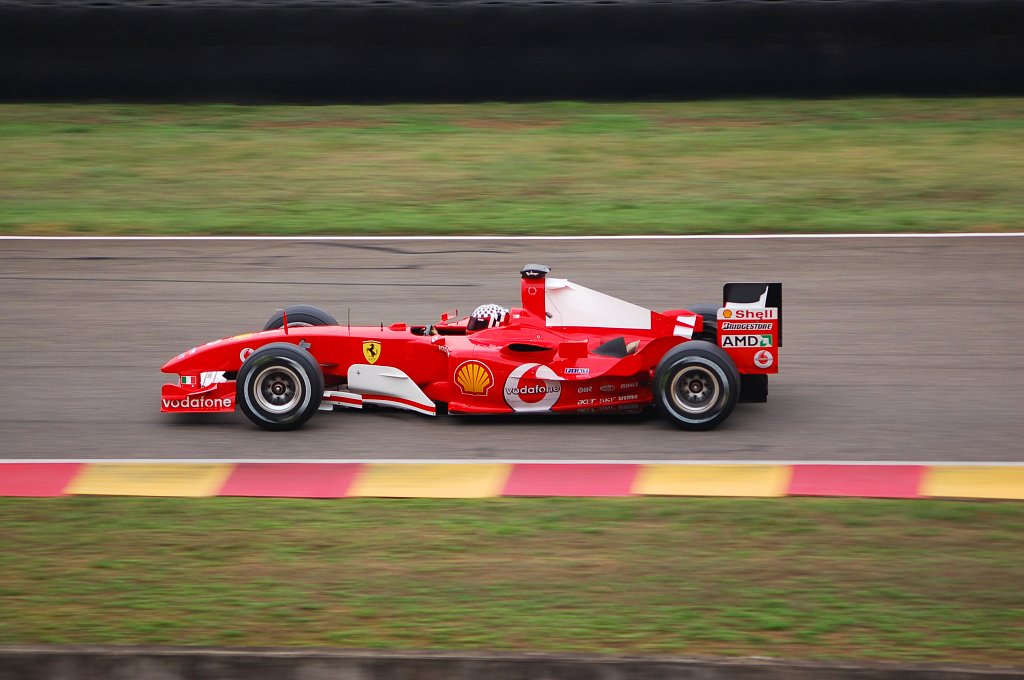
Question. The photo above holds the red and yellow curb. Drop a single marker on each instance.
(487, 480)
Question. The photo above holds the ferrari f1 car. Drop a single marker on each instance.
(566, 349)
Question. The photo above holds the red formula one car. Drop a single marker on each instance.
(567, 349)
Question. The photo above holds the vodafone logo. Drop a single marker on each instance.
(196, 403)
(532, 388)
(246, 353)
(764, 359)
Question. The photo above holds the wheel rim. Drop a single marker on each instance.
(278, 389)
(695, 390)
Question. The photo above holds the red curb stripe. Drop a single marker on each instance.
(865, 481)
(560, 479)
(336, 480)
(291, 480)
(36, 480)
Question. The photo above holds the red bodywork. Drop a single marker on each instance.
(546, 356)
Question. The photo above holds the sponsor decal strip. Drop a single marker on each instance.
(461, 479)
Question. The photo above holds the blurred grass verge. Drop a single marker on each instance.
(873, 165)
(796, 577)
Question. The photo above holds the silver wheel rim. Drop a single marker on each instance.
(278, 389)
(695, 390)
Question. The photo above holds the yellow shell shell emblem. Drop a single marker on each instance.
(474, 378)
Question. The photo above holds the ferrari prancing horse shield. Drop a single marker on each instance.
(371, 350)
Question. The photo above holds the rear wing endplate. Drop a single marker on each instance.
(754, 296)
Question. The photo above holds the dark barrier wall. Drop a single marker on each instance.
(359, 50)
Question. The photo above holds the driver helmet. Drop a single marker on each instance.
(486, 316)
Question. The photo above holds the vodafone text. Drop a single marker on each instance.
(197, 402)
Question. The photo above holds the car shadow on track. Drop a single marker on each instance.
(591, 420)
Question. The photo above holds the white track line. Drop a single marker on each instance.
(642, 237)
(505, 461)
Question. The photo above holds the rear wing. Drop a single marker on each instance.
(750, 325)
(753, 296)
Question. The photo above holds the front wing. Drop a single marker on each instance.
(216, 398)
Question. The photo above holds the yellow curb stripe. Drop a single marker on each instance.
(151, 479)
(970, 481)
(426, 480)
(712, 480)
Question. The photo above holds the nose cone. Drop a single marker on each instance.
(172, 365)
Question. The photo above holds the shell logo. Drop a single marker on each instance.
(727, 314)
(474, 378)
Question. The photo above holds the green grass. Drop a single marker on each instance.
(558, 168)
(856, 579)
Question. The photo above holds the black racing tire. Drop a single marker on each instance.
(696, 385)
(300, 315)
(708, 311)
(280, 386)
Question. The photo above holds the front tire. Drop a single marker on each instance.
(696, 385)
(300, 315)
(280, 386)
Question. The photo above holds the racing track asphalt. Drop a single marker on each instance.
(895, 349)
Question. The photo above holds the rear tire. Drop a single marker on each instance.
(280, 386)
(300, 315)
(708, 311)
(696, 385)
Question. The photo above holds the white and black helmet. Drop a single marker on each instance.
(486, 316)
